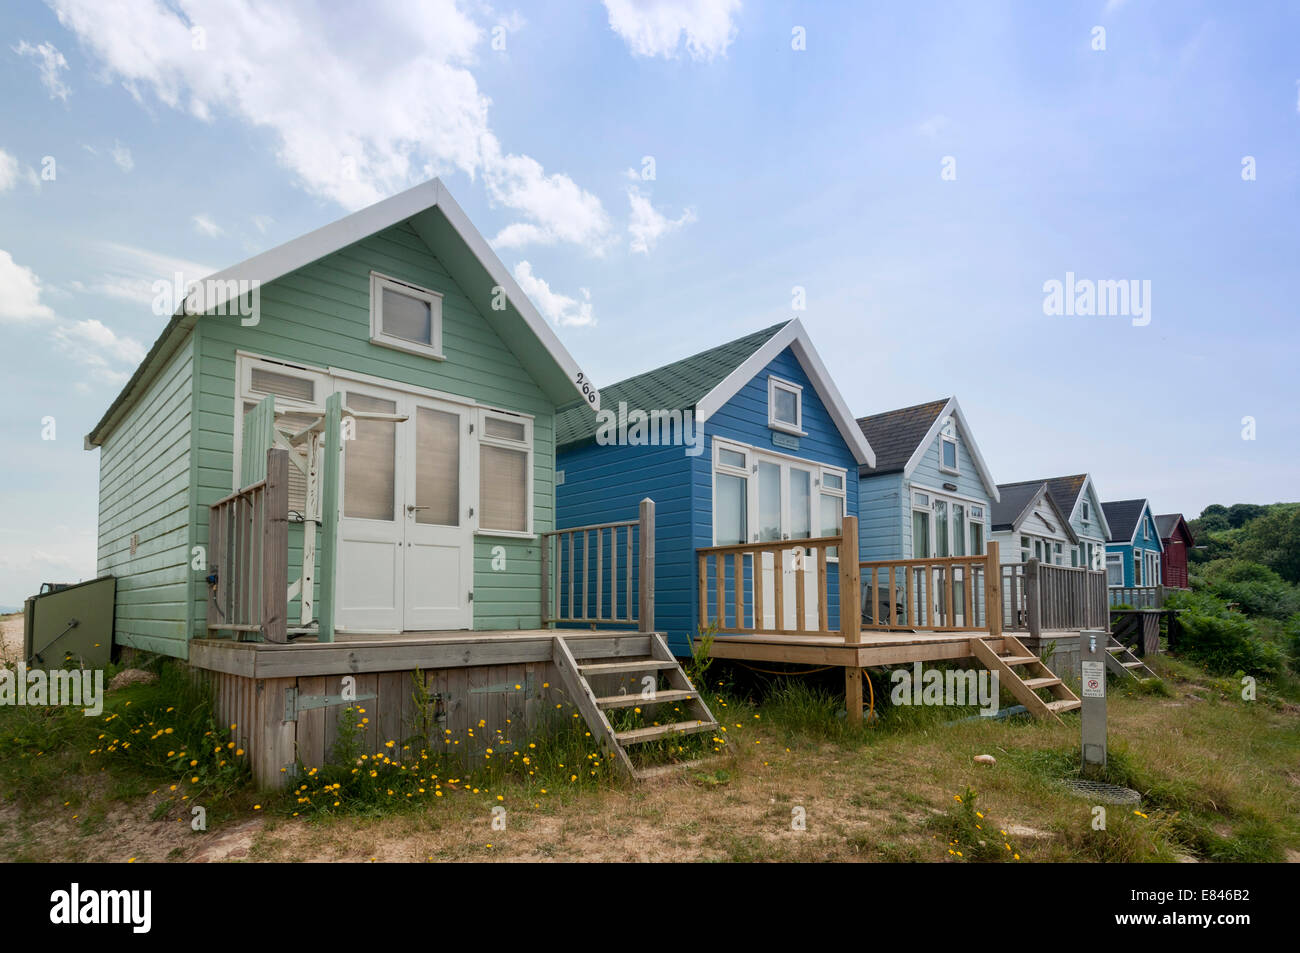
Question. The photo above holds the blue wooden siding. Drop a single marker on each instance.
(605, 483)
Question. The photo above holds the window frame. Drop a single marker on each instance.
(774, 384)
(380, 283)
(244, 365)
(1117, 560)
(948, 435)
(526, 445)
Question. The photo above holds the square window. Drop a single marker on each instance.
(784, 405)
(405, 317)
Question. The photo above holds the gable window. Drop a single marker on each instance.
(1087, 511)
(405, 316)
(784, 406)
(948, 447)
(1114, 569)
(505, 474)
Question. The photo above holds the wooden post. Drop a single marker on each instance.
(275, 548)
(647, 591)
(328, 545)
(1033, 599)
(546, 581)
(852, 690)
(851, 593)
(993, 588)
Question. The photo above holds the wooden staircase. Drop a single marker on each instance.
(575, 678)
(1121, 660)
(1024, 674)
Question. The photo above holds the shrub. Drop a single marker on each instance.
(1223, 641)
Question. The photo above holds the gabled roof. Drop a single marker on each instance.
(1124, 517)
(1018, 500)
(1067, 492)
(707, 380)
(1172, 523)
(676, 386)
(901, 437)
(441, 223)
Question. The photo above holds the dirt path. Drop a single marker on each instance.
(11, 638)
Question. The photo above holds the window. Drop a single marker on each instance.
(948, 447)
(1087, 511)
(1058, 554)
(784, 406)
(921, 534)
(1024, 549)
(1075, 555)
(831, 508)
(405, 317)
(1114, 569)
(730, 496)
(958, 529)
(1137, 569)
(976, 537)
(941, 537)
(505, 474)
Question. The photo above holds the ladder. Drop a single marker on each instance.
(1121, 660)
(574, 677)
(1024, 674)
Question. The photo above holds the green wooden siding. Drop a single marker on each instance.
(145, 491)
(319, 316)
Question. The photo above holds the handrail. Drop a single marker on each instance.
(937, 593)
(568, 593)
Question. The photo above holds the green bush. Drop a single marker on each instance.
(1223, 641)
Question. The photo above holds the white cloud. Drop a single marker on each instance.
(129, 273)
(262, 223)
(659, 27)
(933, 126)
(207, 226)
(49, 61)
(10, 171)
(109, 358)
(122, 156)
(20, 292)
(559, 309)
(647, 224)
(354, 122)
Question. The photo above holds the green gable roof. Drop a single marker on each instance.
(676, 386)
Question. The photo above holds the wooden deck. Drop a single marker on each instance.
(874, 648)
(356, 652)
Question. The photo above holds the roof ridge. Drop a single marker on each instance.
(899, 410)
(769, 331)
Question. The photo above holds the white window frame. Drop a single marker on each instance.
(969, 505)
(526, 445)
(778, 383)
(378, 283)
(1116, 559)
(727, 469)
(842, 494)
(949, 435)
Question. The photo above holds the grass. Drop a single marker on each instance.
(1218, 777)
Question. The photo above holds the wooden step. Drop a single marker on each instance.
(1065, 704)
(1133, 664)
(641, 735)
(664, 770)
(636, 665)
(1036, 683)
(628, 701)
(1018, 659)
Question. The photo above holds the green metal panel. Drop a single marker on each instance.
(72, 627)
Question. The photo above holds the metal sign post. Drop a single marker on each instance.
(1092, 716)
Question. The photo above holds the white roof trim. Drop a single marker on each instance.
(795, 337)
(313, 246)
(1146, 512)
(952, 408)
(1044, 495)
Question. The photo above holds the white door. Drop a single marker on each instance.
(405, 533)
(372, 523)
(785, 495)
(439, 559)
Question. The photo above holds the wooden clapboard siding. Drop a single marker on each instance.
(882, 510)
(319, 316)
(145, 490)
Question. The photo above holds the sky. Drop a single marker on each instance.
(908, 179)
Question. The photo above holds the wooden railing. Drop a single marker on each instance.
(941, 594)
(585, 580)
(248, 555)
(743, 587)
(1139, 597)
(1039, 597)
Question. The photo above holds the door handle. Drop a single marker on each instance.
(411, 508)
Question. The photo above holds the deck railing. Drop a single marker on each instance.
(1039, 597)
(940, 594)
(1139, 597)
(789, 587)
(248, 555)
(602, 574)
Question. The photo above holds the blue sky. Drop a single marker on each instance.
(774, 168)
